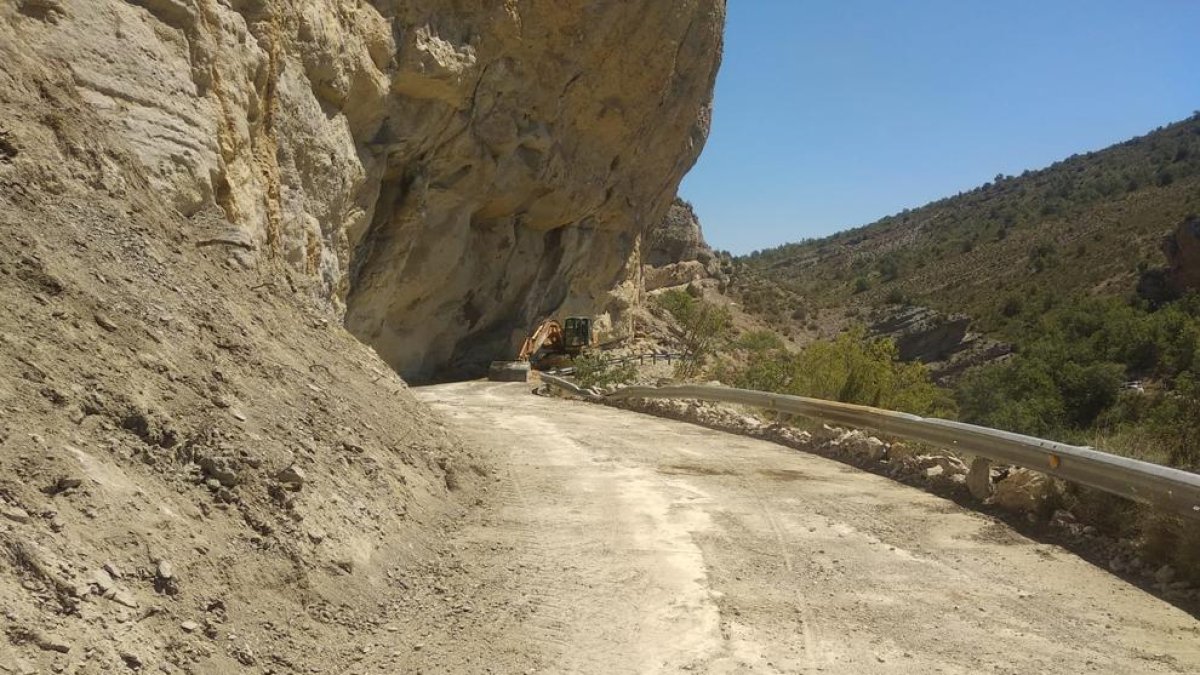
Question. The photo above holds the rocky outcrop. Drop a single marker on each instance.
(943, 342)
(674, 252)
(923, 334)
(1182, 248)
(445, 173)
(676, 238)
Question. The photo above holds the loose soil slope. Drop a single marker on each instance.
(199, 468)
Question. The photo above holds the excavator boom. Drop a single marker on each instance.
(548, 343)
(548, 334)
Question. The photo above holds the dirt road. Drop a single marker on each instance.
(622, 543)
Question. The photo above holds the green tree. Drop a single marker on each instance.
(702, 327)
(593, 370)
(852, 368)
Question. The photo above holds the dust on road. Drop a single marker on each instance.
(622, 543)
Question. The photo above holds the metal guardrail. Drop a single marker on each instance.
(652, 357)
(1171, 489)
(640, 359)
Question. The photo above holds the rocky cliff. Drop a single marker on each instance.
(1182, 249)
(444, 173)
(943, 342)
(677, 238)
(674, 252)
(200, 469)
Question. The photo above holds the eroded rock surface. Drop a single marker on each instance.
(677, 238)
(924, 334)
(942, 341)
(449, 172)
(674, 252)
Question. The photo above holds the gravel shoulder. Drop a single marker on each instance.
(618, 542)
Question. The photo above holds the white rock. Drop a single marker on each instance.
(102, 580)
(902, 453)
(979, 478)
(15, 514)
(1026, 491)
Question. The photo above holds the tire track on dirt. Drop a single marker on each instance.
(636, 544)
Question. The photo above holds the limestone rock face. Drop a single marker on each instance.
(943, 342)
(924, 334)
(676, 238)
(446, 172)
(674, 252)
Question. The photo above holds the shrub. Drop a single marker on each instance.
(1041, 257)
(593, 370)
(1017, 395)
(759, 341)
(889, 269)
(702, 327)
(1067, 377)
(1012, 306)
(851, 368)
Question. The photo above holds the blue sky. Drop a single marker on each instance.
(832, 114)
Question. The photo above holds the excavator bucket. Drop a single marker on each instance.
(509, 371)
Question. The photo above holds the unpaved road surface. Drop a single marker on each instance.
(621, 543)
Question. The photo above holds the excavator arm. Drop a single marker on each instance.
(548, 334)
(548, 342)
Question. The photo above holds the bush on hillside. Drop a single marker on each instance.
(852, 368)
(593, 370)
(703, 327)
(759, 341)
(1067, 378)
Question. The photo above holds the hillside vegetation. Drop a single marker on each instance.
(1083, 225)
(1048, 261)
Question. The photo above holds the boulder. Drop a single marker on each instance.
(951, 466)
(14, 513)
(1026, 491)
(672, 275)
(902, 454)
(1164, 574)
(979, 478)
(291, 476)
(864, 446)
(224, 470)
(675, 238)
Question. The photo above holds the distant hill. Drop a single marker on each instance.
(1088, 224)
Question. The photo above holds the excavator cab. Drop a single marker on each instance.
(577, 334)
(551, 344)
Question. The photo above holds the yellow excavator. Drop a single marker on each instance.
(550, 344)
